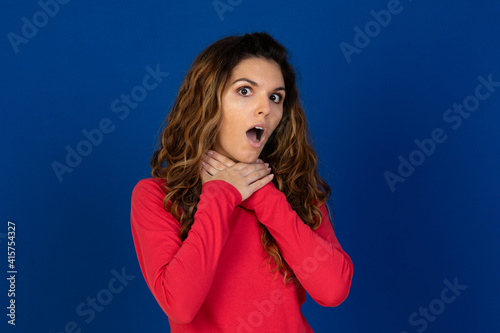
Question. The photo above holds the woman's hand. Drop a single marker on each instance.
(246, 178)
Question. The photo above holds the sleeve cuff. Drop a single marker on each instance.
(218, 188)
(268, 192)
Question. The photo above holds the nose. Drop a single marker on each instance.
(263, 107)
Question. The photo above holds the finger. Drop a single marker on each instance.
(227, 162)
(209, 169)
(260, 183)
(205, 176)
(250, 168)
(259, 161)
(256, 175)
(213, 162)
(216, 163)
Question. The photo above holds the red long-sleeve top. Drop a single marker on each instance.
(217, 280)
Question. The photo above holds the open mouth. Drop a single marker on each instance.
(255, 133)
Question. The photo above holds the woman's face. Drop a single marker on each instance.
(253, 97)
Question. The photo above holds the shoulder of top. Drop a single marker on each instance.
(153, 184)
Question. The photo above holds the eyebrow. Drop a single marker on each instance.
(255, 83)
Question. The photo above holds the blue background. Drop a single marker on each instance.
(440, 224)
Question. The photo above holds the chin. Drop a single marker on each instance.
(248, 158)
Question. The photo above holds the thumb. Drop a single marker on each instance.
(204, 175)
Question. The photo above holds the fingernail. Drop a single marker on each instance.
(203, 163)
(271, 176)
(266, 164)
(210, 152)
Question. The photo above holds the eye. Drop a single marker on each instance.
(276, 98)
(244, 91)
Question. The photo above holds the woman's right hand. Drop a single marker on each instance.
(246, 178)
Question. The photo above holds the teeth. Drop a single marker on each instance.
(260, 130)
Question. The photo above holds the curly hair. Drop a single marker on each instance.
(193, 124)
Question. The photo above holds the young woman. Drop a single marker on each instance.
(236, 200)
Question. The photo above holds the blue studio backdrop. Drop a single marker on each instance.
(403, 102)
